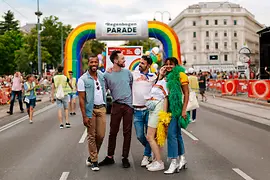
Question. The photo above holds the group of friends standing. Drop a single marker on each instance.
(138, 95)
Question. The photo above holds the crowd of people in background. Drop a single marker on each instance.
(24, 89)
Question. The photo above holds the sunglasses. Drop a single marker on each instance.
(97, 86)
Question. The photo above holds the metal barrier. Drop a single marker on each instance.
(258, 89)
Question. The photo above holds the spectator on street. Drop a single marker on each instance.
(30, 96)
(16, 91)
(194, 86)
(202, 85)
(60, 82)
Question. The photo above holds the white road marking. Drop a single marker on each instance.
(83, 136)
(64, 176)
(190, 135)
(242, 174)
(9, 125)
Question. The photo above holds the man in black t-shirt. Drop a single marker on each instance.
(202, 85)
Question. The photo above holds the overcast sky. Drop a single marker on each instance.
(75, 12)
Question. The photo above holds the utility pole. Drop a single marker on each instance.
(38, 14)
(62, 45)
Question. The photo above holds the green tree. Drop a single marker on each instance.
(51, 37)
(147, 44)
(28, 53)
(10, 42)
(92, 47)
(9, 23)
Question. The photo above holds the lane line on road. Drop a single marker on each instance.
(64, 176)
(9, 125)
(242, 174)
(190, 135)
(83, 136)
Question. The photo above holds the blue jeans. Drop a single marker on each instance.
(175, 140)
(194, 114)
(12, 100)
(141, 124)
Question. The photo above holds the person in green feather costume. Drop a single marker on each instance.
(177, 84)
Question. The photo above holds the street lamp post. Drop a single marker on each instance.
(162, 13)
(62, 45)
(38, 14)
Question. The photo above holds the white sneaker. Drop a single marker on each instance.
(149, 165)
(193, 120)
(31, 122)
(145, 161)
(157, 166)
(173, 167)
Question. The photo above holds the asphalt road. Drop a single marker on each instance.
(42, 151)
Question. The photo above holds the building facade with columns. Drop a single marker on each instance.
(212, 33)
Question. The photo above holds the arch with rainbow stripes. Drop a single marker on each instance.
(87, 31)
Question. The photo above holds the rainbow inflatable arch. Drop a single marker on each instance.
(87, 31)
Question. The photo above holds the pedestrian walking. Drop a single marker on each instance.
(17, 84)
(194, 86)
(60, 82)
(72, 95)
(30, 96)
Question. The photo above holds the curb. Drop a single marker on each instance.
(235, 98)
(238, 117)
(246, 100)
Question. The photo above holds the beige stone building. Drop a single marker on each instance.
(212, 33)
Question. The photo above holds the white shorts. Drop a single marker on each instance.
(153, 115)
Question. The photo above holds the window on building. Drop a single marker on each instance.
(225, 45)
(216, 34)
(207, 46)
(194, 57)
(216, 45)
(226, 57)
(235, 45)
(225, 34)
(207, 22)
(216, 22)
(194, 23)
(225, 21)
(194, 34)
(235, 34)
(194, 47)
(235, 22)
(207, 33)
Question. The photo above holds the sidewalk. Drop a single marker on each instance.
(5, 108)
(250, 113)
(240, 97)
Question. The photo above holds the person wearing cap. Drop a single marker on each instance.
(194, 86)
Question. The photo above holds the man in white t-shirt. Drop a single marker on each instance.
(92, 97)
(142, 85)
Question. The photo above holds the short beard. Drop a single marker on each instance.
(120, 65)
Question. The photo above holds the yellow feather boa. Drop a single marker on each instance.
(164, 119)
